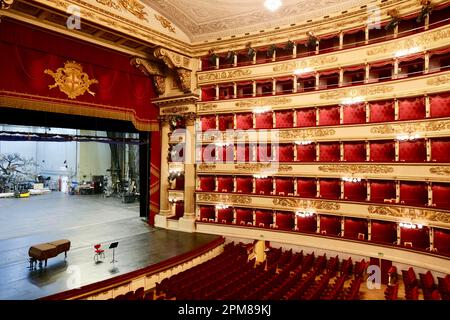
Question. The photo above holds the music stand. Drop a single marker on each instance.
(113, 246)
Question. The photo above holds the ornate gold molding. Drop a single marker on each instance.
(71, 80)
(357, 168)
(224, 198)
(262, 102)
(165, 23)
(172, 59)
(213, 76)
(307, 63)
(356, 92)
(410, 213)
(207, 107)
(411, 127)
(207, 167)
(284, 168)
(441, 171)
(306, 204)
(153, 70)
(132, 6)
(305, 133)
(6, 4)
(184, 76)
(437, 81)
(252, 166)
(174, 110)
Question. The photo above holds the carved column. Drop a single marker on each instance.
(164, 194)
(189, 167)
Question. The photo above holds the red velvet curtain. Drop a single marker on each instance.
(380, 190)
(441, 241)
(207, 183)
(264, 186)
(420, 238)
(355, 228)
(355, 191)
(382, 151)
(440, 150)
(355, 113)
(355, 151)
(208, 93)
(329, 151)
(285, 220)
(225, 184)
(306, 117)
(207, 213)
(226, 122)
(306, 153)
(242, 152)
(306, 187)
(382, 111)
(244, 184)
(284, 186)
(413, 193)
(441, 195)
(330, 225)
(155, 173)
(284, 119)
(329, 116)
(411, 108)
(225, 215)
(413, 151)
(208, 122)
(330, 188)
(384, 231)
(264, 120)
(244, 121)
(264, 218)
(307, 224)
(440, 105)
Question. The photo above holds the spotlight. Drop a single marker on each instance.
(272, 5)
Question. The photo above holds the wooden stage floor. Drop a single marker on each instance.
(139, 246)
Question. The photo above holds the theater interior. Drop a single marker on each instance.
(224, 150)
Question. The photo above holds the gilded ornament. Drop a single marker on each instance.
(355, 168)
(305, 133)
(224, 198)
(441, 171)
(184, 76)
(207, 107)
(174, 110)
(437, 81)
(252, 166)
(411, 213)
(132, 6)
(307, 63)
(306, 204)
(262, 102)
(351, 93)
(214, 76)
(411, 127)
(71, 80)
(165, 23)
(207, 167)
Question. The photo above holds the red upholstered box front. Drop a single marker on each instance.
(208, 153)
(329, 116)
(381, 190)
(382, 111)
(285, 220)
(242, 152)
(264, 120)
(284, 153)
(284, 119)
(207, 183)
(284, 186)
(413, 193)
(306, 187)
(355, 151)
(330, 188)
(330, 225)
(355, 113)
(420, 238)
(413, 151)
(306, 117)
(353, 227)
(226, 122)
(384, 231)
(329, 151)
(207, 213)
(355, 191)
(306, 153)
(307, 224)
(382, 151)
(441, 195)
(440, 149)
(244, 184)
(264, 186)
(225, 215)
(208, 122)
(244, 121)
(264, 218)
(225, 184)
(244, 216)
(441, 241)
(440, 105)
(411, 108)
(263, 152)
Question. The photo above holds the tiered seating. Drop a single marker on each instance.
(427, 284)
(346, 267)
(360, 268)
(444, 287)
(391, 292)
(411, 284)
(139, 294)
(353, 291)
(334, 290)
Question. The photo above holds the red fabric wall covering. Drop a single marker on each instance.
(382, 111)
(384, 231)
(441, 241)
(329, 116)
(225, 153)
(209, 153)
(441, 195)
(284, 119)
(242, 152)
(225, 215)
(244, 216)
(440, 150)
(306, 187)
(382, 151)
(355, 151)
(179, 183)
(155, 174)
(330, 188)
(285, 220)
(264, 120)
(440, 105)
(179, 209)
(207, 183)
(413, 151)
(208, 122)
(284, 186)
(308, 224)
(411, 108)
(284, 153)
(355, 191)
(329, 151)
(263, 152)
(380, 190)
(122, 92)
(225, 184)
(355, 114)
(354, 226)
(306, 153)
(306, 117)
(263, 218)
(330, 225)
(226, 122)
(207, 213)
(244, 121)
(264, 186)
(420, 238)
(413, 193)
(208, 94)
(244, 184)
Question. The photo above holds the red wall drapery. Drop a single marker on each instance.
(329, 151)
(306, 153)
(244, 184)
(330, 225)
(122, 91)
(306, 117)
(353, 227)
(382, 151)
(330, 188)
(442, 241)
(380, 190)
(244, 216)
(155, 167)
(355, 151)
(307, 224)
(384, 231)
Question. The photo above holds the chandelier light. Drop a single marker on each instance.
(408, 225)
(259, 176)
(222, 206)
(409, 136)
(272, 5)
(303, 142)
(262, 109)
(305, 214)
(348, 179)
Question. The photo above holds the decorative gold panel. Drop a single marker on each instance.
(207, 107)
(174, 110)
(410, 213)
(437, 81)
(207, 167)
(305, 133)
(224, 198)
(132, 6)
(306, 204)
(442, 171)
(224, 75)
(252, 166)
(165, 23)
(307, 63)
(357, 168)
(262, 102)
(411, 127)
(356, 92)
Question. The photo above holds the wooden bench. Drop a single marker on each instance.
(44, 251)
